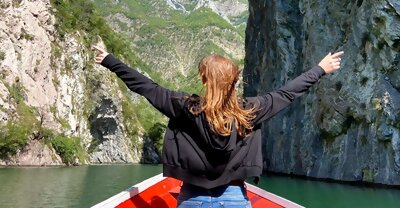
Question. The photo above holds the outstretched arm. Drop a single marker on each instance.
(166, 101)
(270, 104)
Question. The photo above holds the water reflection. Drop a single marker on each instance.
(323, 194)
(87, 185)
(41, 187)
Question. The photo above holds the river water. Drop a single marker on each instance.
(84, 186)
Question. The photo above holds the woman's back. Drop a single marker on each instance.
(214, 140)
(193, 151)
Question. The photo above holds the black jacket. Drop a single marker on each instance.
(191, 151)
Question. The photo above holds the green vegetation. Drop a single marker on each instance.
(64, 123)
(56, 82)
(79, 18)
(328, 137)
(2, 55)
(240, 22)
(68, 148)
(56, 53)
(147, 116)
(17, 92)
(156, 134)
(159, 29)
(191, 84)
(368, 175)
(189, 6)
(12, 138)
(3, 75)
(201, 18)
(93, 82)
(67, 67)
(158, 18)
(16, 3)
(25, 35)
(15, 133)
(56, 50)
(130, 120)
(209, 48)
(75, 15)
(80, 15)
(2, 6)
(27, 114)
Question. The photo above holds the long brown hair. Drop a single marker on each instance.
(220, 102)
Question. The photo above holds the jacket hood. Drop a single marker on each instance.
(216, 143)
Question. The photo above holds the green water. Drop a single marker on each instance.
(87, 185)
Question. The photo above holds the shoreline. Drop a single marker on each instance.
(265, 173)
(334, 181)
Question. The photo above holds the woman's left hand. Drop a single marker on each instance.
(100, 54)
(331, 62)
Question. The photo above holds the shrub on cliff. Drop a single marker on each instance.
(14, 133)
(12, 138)
(68, 148)
(2, 56)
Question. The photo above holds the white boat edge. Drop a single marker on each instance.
(132, 191)
(272, 197)
(138, 188)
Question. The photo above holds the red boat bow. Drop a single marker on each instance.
(161, 192)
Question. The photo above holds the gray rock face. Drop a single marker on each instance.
(106, 129)
(149, 153)
(347, 127)
(35, 153)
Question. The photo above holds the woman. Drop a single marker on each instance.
(213, 142)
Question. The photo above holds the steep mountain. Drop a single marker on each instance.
(57, 106)
(172, 36)
(348, 126)
(234, 11)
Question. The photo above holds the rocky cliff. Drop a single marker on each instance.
(53, 100)
(348, 126)
(57, 106)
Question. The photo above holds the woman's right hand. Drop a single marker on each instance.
(100, 54)
(331, 62)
